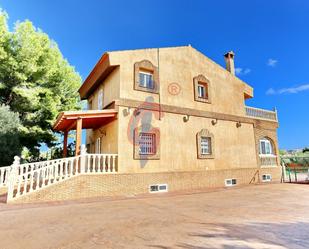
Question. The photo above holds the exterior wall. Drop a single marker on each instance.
(109, 138)
(110, 87)
(87, 186)
(111, 91)
(180, 65)
(234, 147)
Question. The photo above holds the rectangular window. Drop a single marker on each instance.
(202, 90)
(230, 182)
(205, 145)
(147, 143)
(266, 178)
(100, 100)
(98, 146)
(146, 79)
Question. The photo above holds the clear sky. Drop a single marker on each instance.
(270, 40)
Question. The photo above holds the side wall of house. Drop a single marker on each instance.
(233, 147)
(111, 91)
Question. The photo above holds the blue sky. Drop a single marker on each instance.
(270, 40)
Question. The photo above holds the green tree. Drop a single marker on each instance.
(9, 135)
(35, 81)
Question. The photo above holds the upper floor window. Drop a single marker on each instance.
(201, 89)
(266, 147)
(146, 79)
(147, 143)
(100, 100)
(205, 145)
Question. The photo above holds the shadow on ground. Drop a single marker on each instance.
(252, 235)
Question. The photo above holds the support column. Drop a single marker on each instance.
(65, 144)
(79, 124)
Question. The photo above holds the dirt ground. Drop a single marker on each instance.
(261, 216)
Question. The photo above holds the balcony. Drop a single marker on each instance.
(261, 114)
(268, 160)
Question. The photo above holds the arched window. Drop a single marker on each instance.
(266, 147)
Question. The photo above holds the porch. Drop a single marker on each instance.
(79, 120)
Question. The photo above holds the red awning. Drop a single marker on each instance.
(93, 119)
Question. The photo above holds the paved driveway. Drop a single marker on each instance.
(263, 216)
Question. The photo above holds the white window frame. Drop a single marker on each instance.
(159, 188)
(205, 146)
(98, 146)
(202, 90)
(268, 178)
(230, 182)
(148, 140)
(268, 147)
(100, 99)
(144, 83)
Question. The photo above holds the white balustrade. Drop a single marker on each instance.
(4, 174)
(101, 163)
(268, 160)
(261, 113)
(29, 177)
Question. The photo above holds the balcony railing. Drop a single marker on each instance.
(268, 160)
(261, 114)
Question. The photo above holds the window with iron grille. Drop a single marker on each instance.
(147, 143)
(205, 145)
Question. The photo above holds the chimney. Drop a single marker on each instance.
(229, 60)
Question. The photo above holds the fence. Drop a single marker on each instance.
(21, 179)
(296, 169)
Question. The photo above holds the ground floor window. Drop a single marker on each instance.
(205, 144)
(147, 143)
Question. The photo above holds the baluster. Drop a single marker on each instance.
(44, 176)
(97, 164)
(66, 169)
(25, 180)
(31, 178)
(37, 183)
(108, 159)
(19, 184)
(114, 163)
(61, 168)
(49, 173)
(1, 177)
(88, 163)
(71, 168)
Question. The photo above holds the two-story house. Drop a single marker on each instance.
(174, 110)
(176, 121)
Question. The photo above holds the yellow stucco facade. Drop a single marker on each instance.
(178, 117)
